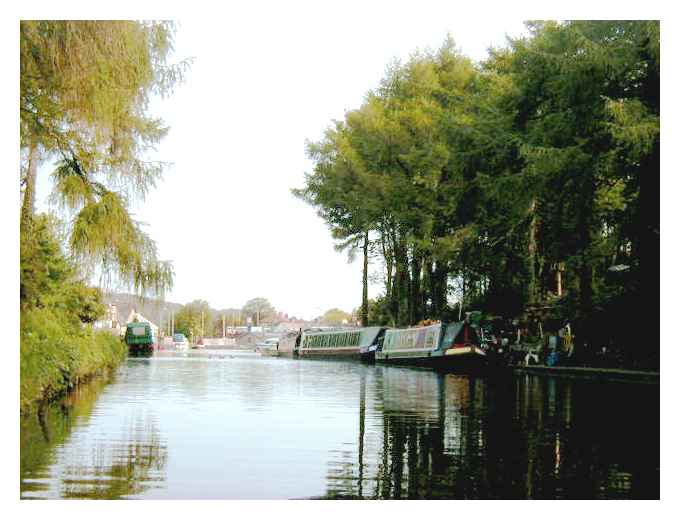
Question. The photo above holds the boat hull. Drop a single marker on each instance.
(268, 351)
(463, 359)
(142, 348)
(367, 354)
(330, 352)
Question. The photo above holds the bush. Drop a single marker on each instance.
(58, 352)
(59, 348)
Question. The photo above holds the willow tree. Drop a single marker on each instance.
(85, 88)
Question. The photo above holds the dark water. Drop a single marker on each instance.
(236, 425)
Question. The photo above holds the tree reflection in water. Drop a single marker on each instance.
(450, 436)
(44, 429)
(277, 428)
(105, 468)
(134, 464)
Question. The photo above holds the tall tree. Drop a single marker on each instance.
(520, 183)
(581, 84)
(84, 93)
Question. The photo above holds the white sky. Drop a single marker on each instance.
(262, 83)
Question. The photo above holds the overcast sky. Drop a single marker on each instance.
(260, 85)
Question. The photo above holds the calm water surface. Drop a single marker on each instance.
(226, 424)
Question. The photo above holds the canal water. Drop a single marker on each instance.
(232, 424)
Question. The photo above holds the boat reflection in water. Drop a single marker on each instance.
(434, 435)
(216, 424)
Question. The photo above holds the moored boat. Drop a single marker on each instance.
(139, 337)
(342, 342)
(268, 347)
(180, 341)
(452, 345)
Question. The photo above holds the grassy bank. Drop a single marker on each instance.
(57, 353)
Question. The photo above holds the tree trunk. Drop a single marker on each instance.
(426, 286)
(416, 292)
(394, 292)
(28, 205)
(585, 267)
(364, 297)
(402, 278)
(387, 255)
(531, 260)
(438, 289)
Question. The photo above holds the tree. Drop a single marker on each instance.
(259, 310)
(516, 184)
(84, 93)
(387, 169)
(194, 319)
(588, 132)
(48, 279)
(336, 317)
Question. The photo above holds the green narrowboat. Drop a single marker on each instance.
(139, 336)
(452, 345)
(342, 342)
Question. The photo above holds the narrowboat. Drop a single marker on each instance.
(342, 342)
(367, 351)
(452, 345)
(139, 337)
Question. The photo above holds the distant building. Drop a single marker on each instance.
(110, 320)
(134, 316)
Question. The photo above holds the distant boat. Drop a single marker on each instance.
(139, 337)
(268, 347)
(180, 341)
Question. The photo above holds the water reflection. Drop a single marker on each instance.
(133, 464)
(212, 425)
(450, 436)
(67, 452)
(44, 430)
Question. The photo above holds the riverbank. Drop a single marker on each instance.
(56, 355)
(600, 374)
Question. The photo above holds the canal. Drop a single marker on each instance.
(232, 424)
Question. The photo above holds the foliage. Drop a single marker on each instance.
(84, 93)
(507, 185)
(379, 311)
(336, 317)
(58, 345)
(259, 310)
(49, 279)
(57, 353)
(194, 319)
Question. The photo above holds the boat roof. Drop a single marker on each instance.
(310, 332)
(415, 328)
